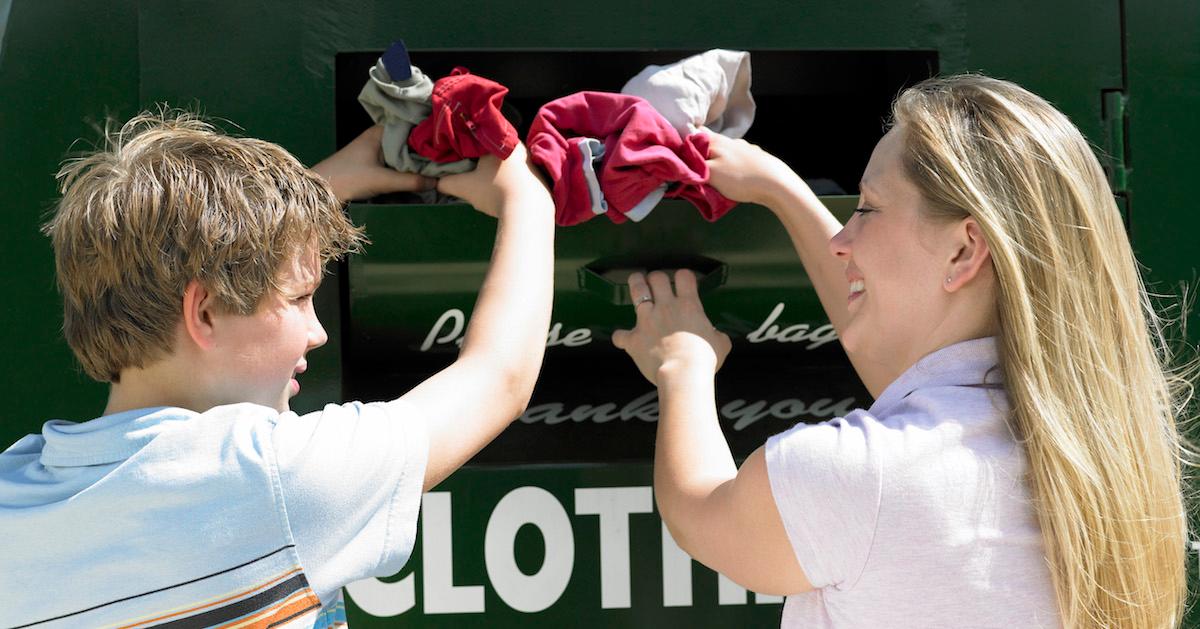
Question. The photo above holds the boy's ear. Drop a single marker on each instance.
(198, 306)
(970, 255)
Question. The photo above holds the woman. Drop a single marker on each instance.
(1020, 465)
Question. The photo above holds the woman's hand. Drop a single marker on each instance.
(672, 330)
(744, 172)
(357, 170)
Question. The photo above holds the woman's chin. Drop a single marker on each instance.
(849, 338)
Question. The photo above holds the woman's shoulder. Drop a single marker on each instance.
(948, 419)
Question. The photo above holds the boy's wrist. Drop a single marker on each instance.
(526, 195)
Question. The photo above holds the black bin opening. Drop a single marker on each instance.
(820, 111)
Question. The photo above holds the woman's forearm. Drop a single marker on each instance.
(691, 456)
(811, 225)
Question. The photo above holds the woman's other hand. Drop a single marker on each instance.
(744, 172)
(672, 330)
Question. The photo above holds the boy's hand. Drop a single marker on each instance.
(672, 330)
(357, 171)
(744, 172)
(494, 180)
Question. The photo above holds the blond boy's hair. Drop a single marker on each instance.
(168, 199)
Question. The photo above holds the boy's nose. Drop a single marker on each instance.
(316, 334)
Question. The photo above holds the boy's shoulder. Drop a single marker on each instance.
(141, 482)
(146, 436)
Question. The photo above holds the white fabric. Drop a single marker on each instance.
(147, 512)
(915, 513)
(711, 89)
(592, 151)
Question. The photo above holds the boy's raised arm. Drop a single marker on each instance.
(470, 402)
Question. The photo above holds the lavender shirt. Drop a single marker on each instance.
(915, 512)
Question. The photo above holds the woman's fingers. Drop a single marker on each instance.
(640, 293)
(660, 286)
(685, 285)
(669, 321)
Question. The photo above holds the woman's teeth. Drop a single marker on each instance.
(857, 286)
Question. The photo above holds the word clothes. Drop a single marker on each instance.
(238, 515)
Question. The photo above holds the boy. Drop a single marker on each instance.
(187, 261)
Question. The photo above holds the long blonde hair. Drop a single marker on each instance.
(1094, 402)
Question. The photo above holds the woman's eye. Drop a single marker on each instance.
(863, 210)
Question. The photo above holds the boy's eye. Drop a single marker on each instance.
(303, 298)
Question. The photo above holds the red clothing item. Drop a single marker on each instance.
(466, 122)
(641, 152)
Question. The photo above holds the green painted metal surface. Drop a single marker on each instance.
(63, 68)
(272, 70)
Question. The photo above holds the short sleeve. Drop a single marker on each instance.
(826, 480)
(351, 479)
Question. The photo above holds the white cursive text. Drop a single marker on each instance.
(768, 331)
(449, 329)
(644, 408)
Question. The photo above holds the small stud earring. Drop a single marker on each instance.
(947, 280)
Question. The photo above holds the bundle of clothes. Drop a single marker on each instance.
(612, 154)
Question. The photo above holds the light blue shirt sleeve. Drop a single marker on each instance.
(351, 479)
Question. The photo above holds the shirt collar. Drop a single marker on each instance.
(973, 362)
(106, 439)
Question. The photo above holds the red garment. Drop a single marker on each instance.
(466, 121)
(641, 152)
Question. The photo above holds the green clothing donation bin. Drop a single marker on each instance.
(554, 523)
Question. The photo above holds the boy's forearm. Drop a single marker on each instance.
(508, 326)
(475, 398)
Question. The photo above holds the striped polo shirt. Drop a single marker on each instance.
(237, 517)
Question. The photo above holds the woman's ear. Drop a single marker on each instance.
(198, 311)
(971, 254)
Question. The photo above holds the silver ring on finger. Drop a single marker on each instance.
(643, 299)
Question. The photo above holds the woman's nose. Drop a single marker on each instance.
(839, 245)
